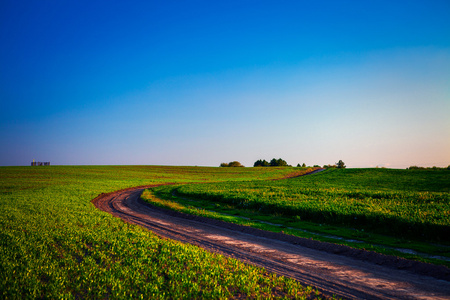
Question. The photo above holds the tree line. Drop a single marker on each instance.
(273, 163)
(279, 163)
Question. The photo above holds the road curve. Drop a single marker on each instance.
(339, 270)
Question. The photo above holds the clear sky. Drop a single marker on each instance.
(205, 82)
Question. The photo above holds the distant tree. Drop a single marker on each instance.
(278, 162)
(235, 164)
(303, 165)
(427, 168)
(414, 168)
(298, 166)
(261, 163)
(231, 164)
(273, 163)
(340, 164)
(281, 162)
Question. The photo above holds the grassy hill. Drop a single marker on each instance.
(55, 244)
(385, 210)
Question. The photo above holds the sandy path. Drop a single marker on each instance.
(340, 270)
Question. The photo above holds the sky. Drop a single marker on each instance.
(205, 82)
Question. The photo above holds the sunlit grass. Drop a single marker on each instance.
(381, 209)
(375, 200)
(55, 244)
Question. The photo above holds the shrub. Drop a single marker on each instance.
(232, 164)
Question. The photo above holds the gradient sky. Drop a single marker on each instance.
(205, 82)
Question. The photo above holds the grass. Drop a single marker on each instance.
(377, 209)
(55, 244)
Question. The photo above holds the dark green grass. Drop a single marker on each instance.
(391, 202)
(55, 244)
(385, 209)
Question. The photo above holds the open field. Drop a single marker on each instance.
(400, 212)
(55, 244)
(335, 269)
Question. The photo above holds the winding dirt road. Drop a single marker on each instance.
(334, 269)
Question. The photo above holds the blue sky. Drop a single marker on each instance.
(205, 82)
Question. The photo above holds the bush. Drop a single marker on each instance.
(232, 164)
(414, 168)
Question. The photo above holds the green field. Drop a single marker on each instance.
(55, 244)
(384, 210)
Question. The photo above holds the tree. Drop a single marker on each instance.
(278, 162)
(235, 164)
(273, 163)
(340, 164)
(261, 163)
(231, 164)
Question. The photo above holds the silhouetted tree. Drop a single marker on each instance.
(278, 162)
(235, 164)
(273, 163)
(340, 164)
(231, 164)
(261, 163)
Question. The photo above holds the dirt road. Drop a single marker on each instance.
(339, 270)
